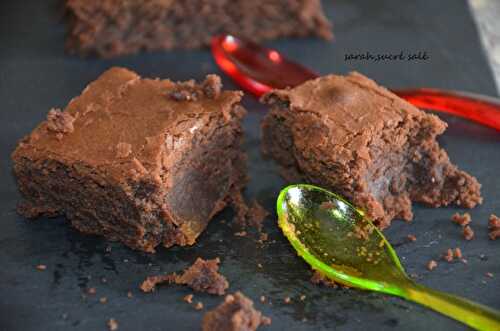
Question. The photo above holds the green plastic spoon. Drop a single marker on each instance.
(339, 241)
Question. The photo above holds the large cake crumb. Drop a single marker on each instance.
(202, 276)
(468, 233)
(431, 265)
(494, 227)
(236, 313)
(252, 215)
(461, 220)
(256, 215)
(112, 324)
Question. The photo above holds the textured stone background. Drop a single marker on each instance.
(487, 15)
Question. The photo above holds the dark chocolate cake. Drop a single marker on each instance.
(349, 135)
(109, 28)
(142, 161)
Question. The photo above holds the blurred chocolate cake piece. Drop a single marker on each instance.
(108, 28)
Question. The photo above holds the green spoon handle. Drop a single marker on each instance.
(470, 313)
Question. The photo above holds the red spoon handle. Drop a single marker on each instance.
(258, 70)
(477, 108)
(255, 68)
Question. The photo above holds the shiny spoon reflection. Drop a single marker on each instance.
(340, 242)
(258, 70)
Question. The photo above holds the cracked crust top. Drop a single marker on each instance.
(350, 120)
(139, 115)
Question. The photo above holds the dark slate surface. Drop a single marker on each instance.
(36, 75)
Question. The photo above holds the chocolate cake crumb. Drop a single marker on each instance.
(468, 233)
(199, 305)
(59, 121)
(202, 276)
(212, 86)
(185, 91)
(265, 320)
(494, 227)
(318, 279)
(241, 209)
(458, 253)
(41, 267)
(123, 150)
(263, 237)
(494, 234)
(494, 221)
(411, 237)
(236, 313)
(256, 215)
(249, 215)
(149, 284)
(188, 298)
(448, 256)
(112, 324)
(461, 220)
(431, 265)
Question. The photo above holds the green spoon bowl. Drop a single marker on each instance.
(339, 241)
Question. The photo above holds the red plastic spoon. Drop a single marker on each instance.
(258, 70)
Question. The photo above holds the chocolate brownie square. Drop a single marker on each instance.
(349, 135)
(142, 161)
(109, 28)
